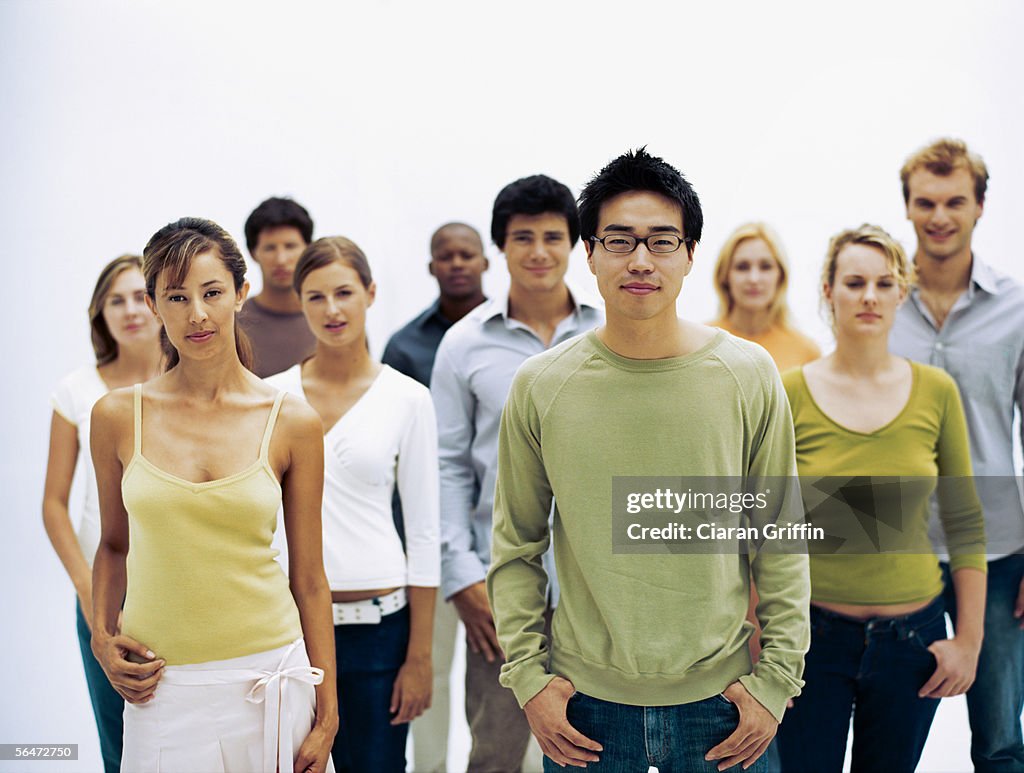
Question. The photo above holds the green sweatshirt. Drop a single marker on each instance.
(643, 630)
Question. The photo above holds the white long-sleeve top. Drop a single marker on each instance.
(388, 436)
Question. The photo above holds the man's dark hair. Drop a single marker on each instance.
(640, 171)
(534, 195)
(275, 212)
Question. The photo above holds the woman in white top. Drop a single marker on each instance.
(126, 342)
(379, 430)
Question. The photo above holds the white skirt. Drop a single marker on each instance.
(240, 715)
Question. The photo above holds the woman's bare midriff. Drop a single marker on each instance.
(342, 596)
(863, 612)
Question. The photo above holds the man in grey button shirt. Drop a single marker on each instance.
(535, 224)
(966, 318)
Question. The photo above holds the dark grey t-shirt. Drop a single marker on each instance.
(278, 340)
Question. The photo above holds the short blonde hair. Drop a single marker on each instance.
(872, 236)
(778, 309)
(942, 157)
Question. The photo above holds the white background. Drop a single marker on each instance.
(386, 118)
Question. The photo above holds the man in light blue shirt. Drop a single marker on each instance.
(535, 224)
(968, 319)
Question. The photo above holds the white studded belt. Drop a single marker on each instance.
(368, 611)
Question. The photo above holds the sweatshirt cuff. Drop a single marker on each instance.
(526, 679)
(977, 561)
(770, 692)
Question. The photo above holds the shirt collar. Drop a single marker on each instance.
(498, 307)
(983, 276)
(433, 311)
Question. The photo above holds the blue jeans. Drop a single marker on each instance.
(107, 704)
(674, 739)
(995, 701)
(873, 669)
(369, 657)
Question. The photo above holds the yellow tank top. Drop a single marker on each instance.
(202, 580)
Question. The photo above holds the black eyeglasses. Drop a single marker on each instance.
(659, 244)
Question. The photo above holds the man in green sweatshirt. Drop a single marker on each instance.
(647, 662)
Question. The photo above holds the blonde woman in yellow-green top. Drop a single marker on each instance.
(878, 635)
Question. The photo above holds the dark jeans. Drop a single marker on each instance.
(107, 704)
(996, 699)
(369, 657)
(672, 738)
(872, 669)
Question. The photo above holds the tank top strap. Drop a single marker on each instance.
(265, 445)
(137, 407)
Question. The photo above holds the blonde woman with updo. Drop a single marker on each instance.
(751, 276)
(220, 657)
(126, 343)
(882, 434)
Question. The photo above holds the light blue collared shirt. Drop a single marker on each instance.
(473, 372)
(981, 345)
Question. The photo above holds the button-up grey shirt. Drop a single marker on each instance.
(472, 374)
(981, 345)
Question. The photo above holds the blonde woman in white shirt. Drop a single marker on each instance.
(126, 342)
(379, 432)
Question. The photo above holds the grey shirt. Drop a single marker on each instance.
(472, 374)
(981, 345)
(278, 340)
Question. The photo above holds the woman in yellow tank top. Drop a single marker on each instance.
(211, 653)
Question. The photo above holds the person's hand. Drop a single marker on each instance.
(752, 735)
(559, 740)
(135, 682)
(957, 663)
(1018, 609)
(315, 750)
(411, 694)
(475, 611)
